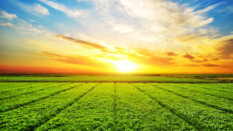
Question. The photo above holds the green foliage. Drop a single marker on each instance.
(202, 116)
(115, 106)
(83, 78)
(34, 114)
(95, 111)
(136, 111)
(15, 102)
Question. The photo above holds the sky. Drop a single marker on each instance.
(111, 36)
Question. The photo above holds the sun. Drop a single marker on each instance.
(125, 66)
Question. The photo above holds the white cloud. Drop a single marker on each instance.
(228, 9)
(6, 15)
(142, 22)
(6, 24)
(167, 13)
(35, 9)
(60, 7)
(123, 28)
(32, 20)
(208, 8)
(26, 27)
(41, 26)
(40, 9)
(66, 34)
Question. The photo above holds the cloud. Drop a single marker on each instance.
(32, 8)
(226, 66)
(32, 69)
(60, 7)
(210, 65)
(145, 23)
(144, 56)
(32, 20)
(6, 15)
(227, 9)
(186, 55)
(208, 8)
(82, 42)
(167, 12)
(190, 39)
(40, 9)
(151, 60)
(6, 24)
(225, 51)
(21, 25)
(123, 28)
(191, 65)
(204, 60)
(78, 60)
(203, 31)
(192, 58)
(171, 54)
(216, 59)
(140, 56)
(26, 27)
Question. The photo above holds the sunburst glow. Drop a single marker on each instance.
(125, 66)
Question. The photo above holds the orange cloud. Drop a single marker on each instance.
(186, 38)
(148, 57)
(188, 56)
(171, 54)
(32, 69)
(209, 65)
(225, 51)
(86, 43)
(204, 60)
(215, 59)
(78, 60)
(192, 65)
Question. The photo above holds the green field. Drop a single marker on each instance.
(89, 78)
(115, 106)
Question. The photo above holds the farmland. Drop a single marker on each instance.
(115, 106)
(103, 78)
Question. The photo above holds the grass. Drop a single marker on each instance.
(89, 78)
(115, 106)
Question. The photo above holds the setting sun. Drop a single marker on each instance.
(125, 65)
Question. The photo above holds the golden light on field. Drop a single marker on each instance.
(125, 66)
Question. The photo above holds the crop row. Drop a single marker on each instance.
(31, 116)
(210, 100)
(217, 87)
(95, 111)
(15, 86)
(136, 111)
(24, 90)
(120, 106)
(15, 102)
(202, 116)
(207, 89)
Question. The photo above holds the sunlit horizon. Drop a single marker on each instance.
(125, 66)
(118, 36)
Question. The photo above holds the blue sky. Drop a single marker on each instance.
(175, 34)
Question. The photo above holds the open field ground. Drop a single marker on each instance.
(216, 77)
(89, 78)
(115, 106)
